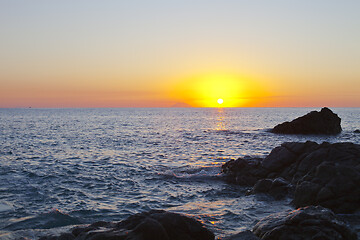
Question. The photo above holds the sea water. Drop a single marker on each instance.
(65, 167)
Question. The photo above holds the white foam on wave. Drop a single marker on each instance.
(191, 173)
(34, 233)
(52, 219)
(4, 206)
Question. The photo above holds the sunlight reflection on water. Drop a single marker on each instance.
(220, 120)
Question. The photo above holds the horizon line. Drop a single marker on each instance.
(168, 107)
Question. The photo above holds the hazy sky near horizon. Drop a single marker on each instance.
(136, 53)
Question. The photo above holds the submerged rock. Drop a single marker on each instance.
(304, 223)
(318, 174)
(323, 122)
(155, 224)
(357, 131)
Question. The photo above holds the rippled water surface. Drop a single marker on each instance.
(60, 167)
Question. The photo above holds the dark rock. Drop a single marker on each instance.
(243, 171)
(278, 159)
(305, 193)
(304, 223)
(263, 185)
(278, 188)
(245, 235)
(155, 224)
(323, 122)
(357, 131)
(318, 174)
(64, 236)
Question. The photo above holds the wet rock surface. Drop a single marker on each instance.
(312, 222)
(318, 174)
(245, 235)
(304, 223)
(322, 122)
(278, 187)
(155, 224)
(243, 171)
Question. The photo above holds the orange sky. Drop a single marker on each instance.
(142, 54)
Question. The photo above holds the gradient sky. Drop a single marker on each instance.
(87, 53)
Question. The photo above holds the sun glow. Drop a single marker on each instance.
(219, 90)
(212, 90)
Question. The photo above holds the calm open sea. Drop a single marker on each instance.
(60, 167)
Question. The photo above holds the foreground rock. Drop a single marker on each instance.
(318, 174)
(155, 224)
(245, 235)
(323, 122)
(304, 223)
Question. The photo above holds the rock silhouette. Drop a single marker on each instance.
(152, 225)
(323, 122)
(304, 223)
(318, 174)
(245, 235)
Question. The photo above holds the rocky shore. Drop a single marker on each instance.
(313, 222)
(317, 174)
(155, 224)
(323, 180)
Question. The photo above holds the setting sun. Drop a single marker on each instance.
(204, 90)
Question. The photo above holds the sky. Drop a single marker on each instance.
(142, 53)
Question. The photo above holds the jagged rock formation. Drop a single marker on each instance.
(323, 122)
(155, 224)
(304, 223)
(318, 174)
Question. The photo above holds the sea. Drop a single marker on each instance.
(60, 168)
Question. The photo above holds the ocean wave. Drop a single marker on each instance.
(107, 164)
(52, 219)
(200, 173)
